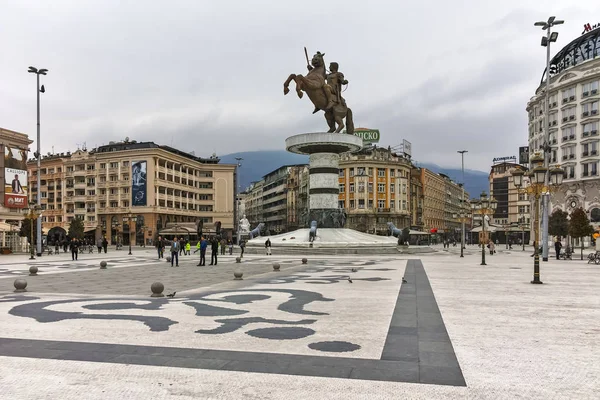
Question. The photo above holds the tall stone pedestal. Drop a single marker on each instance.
(324, 151)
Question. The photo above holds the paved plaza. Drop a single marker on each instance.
(409, 326)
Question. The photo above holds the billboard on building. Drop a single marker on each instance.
(15, 177)
(368, 135)
(407, 147)
(138, 183)
(524, 155)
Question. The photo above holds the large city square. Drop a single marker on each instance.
(453, 329)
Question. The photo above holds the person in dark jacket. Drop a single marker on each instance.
(214, 247)
(557, 247)
(74, 248)
(242, 247)
(104, 244)
(160, 247)
(203, 246)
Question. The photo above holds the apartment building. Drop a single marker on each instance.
(129, 191)
(375, 189)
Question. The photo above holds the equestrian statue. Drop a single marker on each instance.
(325, 91)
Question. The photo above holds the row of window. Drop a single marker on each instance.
(566, 96)
(369, 186)
(381, 172)
(368, 204)
(568, 132)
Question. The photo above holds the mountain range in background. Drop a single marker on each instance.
(256, 164)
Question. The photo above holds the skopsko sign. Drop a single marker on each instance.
(368, 135)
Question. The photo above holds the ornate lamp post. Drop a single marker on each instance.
(537, 188)
(463, 217)
(129, 219)
(484, 206)
(32, 213)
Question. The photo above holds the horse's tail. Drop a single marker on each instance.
(349, 122)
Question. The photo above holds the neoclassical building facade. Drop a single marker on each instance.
(574, 118)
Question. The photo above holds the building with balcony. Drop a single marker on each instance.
(375, 189)
(512, 218)
(156, 184)
(574, 118)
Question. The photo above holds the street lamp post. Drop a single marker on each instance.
(462, 217)
(38, 155)
(462, 200)
(130, 218)
(32, 213)
(237, 201)
(537, 187)
(546, 41)
(484, 206)
(523, 232)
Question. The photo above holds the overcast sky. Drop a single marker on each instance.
(208, 76)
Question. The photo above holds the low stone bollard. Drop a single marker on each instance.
(20, 285)
(33, 270)
(304, 261)
(157, 289)
(238, 260)
(103, 264)
(237, 275)
(276, 267)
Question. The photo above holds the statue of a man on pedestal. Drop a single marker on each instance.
(244, 225)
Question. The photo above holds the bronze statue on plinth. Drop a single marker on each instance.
(325, 92)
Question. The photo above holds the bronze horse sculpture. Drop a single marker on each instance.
(315, 86)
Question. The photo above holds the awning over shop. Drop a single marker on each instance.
(89, 230)
(490, 228)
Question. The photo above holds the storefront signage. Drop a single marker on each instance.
(505, 159)
(589, 27)
(367, 135)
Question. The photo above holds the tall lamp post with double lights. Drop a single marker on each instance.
(484, 206)
(537, 187)
(462, 217)
(546, 41)
(129, 219)
(38, 89)
(237, 192)
(32, 213)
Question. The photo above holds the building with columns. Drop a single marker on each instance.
(107, 186)
(573, 137)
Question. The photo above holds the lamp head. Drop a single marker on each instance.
(517, 175)
(32, 70)
(556, 176)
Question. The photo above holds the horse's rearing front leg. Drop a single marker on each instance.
(286, 84)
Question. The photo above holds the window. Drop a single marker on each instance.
(590, 129)
(392, 172)
(361, 203)
(351, 203)
(568, 133)
(125, 177)
(392, 187)
(589, 109)
(342, 204)
(381, 187)
(370, 203)
(380, 203)
(381, 172)
(114, 204)
(114, 178)
(342, 173)
(404, 188)
(351, 171)
(553, 119)
(352, 188)
(590, 169)
(370, 187)
(114, 165)
(342, 188)
(522, 197)
(370, 171)
(102, 165)
(102, 179)
(568, 94)
(570, 172)
(553, 100)
(589, 88)
(404, 205)
(125, 163)
(125, 190)
(360, 171)
(125, 203)
(590, 149)
(361, 187)
(568, 114)
(392, 204)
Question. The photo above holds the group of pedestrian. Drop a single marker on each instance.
(102, 244)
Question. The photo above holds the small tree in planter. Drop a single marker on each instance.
(579, 226)
(558, 225)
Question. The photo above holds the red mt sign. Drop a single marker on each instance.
(589, 27)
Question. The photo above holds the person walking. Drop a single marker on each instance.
(56, 247)
(557, 247)
(197, 246)
(242, 246)
(203, 246)
(181, 246)
(74, 249)
(160, 247)
(230, 243)
(214, 247)
(105, 244)
(175, 248)
(223, 246)
(188, 248)
(99, 245)
(268, 246)
(492, 247)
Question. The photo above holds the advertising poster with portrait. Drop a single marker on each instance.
(15, 177)
(138, 183)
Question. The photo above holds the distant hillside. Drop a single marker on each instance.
(256, 164)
